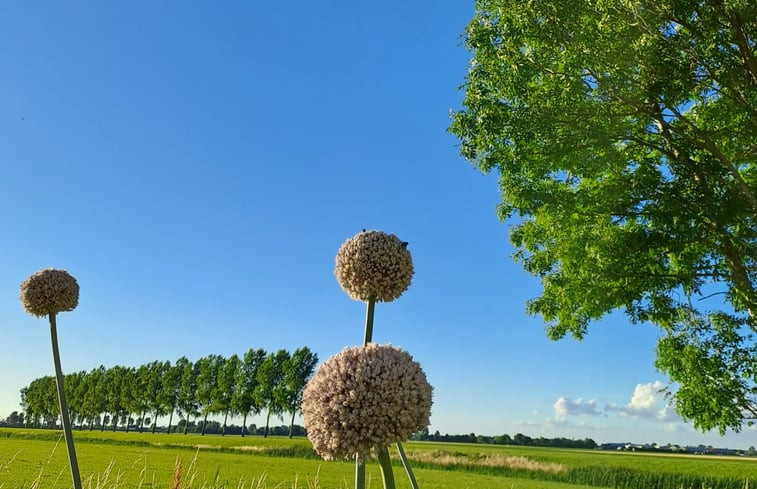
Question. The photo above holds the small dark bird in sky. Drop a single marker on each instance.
(363, 230)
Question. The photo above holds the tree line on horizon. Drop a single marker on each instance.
(505, 439)
(211, 385)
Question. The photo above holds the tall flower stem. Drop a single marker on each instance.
(67, 434)
(406, 464)
(386, 468)
(359, 472)
(367, 338)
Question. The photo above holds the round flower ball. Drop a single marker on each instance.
(374, 264)
(49, 291)
(365, 398)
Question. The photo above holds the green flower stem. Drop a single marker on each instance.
(64, 406)
(359, 473)
(368, 337)
(386, 468)
(406, 464)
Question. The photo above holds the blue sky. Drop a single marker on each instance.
(197, 167)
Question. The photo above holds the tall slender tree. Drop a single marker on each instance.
(118, 380)
(227, 386)
(297, 370)
(207, 385)
(188, 404)
(94, 396)
(25, 406)
(73, 384)
(154, 392)
(269, 393)
(244, 401)
(139, 387)
(172, 388)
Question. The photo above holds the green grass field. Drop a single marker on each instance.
(36, 459)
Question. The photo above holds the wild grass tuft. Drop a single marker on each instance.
(459, 459)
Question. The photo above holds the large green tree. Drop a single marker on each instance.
(624, 133)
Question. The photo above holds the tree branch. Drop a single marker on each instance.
(744, 48)
(707, 144)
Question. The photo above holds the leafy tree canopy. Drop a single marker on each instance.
(624, 136)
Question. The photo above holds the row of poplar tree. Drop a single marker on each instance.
(211, 385)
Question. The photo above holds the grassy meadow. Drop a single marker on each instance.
(36, 459)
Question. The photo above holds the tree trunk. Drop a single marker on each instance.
(291, 425)
(204, 424)
(154, 421)
(267, 418)
(226, 417)
(170, 418)
(186, 425)
(244, 424)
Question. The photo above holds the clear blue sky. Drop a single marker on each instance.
(197, 167)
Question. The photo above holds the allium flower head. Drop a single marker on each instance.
(374, 264)
(365, 398)
(48, 292)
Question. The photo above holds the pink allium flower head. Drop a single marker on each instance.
(48, 292)
(365, 398)
(374, 264)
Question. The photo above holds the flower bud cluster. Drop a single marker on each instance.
(48, 292)
(365, 398)
(374, 264)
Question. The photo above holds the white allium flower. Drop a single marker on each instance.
(365, 398)
(374, 264)
(48, 292)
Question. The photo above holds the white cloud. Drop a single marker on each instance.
(565, 407)
(646, 396)
(648, 401)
